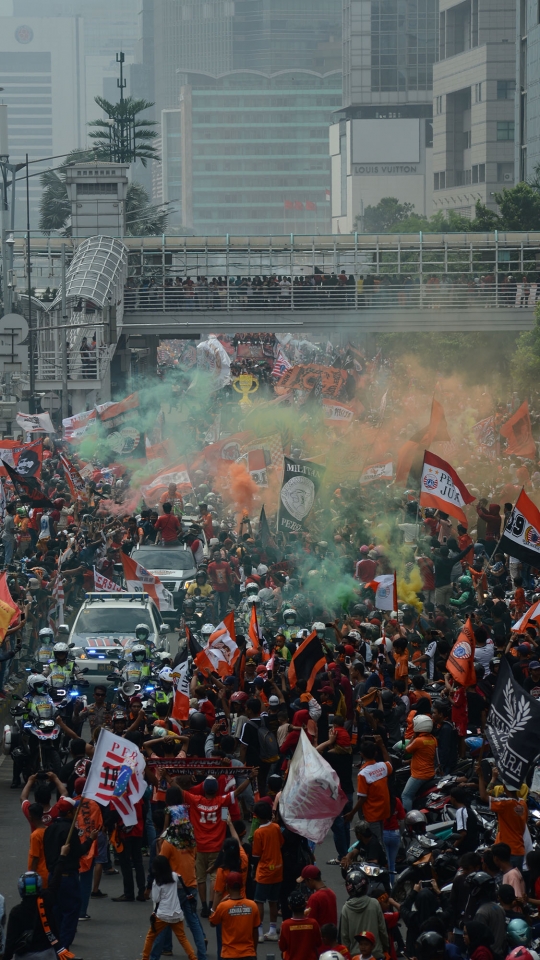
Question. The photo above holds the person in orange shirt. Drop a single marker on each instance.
(239, 919)
(465, 540)
(266, 854)
(401, 657)
(372, 787)
(423, 750)
(36, 856)
(231, 858)
(511, 810)
(519, 603)
(89, 820)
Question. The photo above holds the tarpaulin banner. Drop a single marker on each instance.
(25, 458)
(337, 412)
(304, 376)
(35, 423)
(74, 428)
(378, 471)
(312, 797)
(75, 482)
(121, 423)
(301, 482)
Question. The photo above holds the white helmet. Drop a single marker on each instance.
(142, 627)
(61, 648)
(137, 650)
(289, 614)
(255, 600)
(208, 629)
(331, 955)
(46, 635)
(35, 680)
(252, 587)
(262, 569)
(319, 626)
(164, 655)
(422, 724)
(166, 675)
(302, 634)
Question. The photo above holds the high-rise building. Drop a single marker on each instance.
(474, 103)
(527, 114)
(246, 153)
(380, 141)
(43, 85)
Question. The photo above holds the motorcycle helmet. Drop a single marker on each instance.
(266, 594)
(356, 882)
(480, 883)
(33, 584)
(166, 675)
(252, 589)
(29, 884)
(422, 724)
(239, 697)
(320, 628)
(142, 631)
(256, 600)
(519, 933)
(465, 582)
(197, 721)
(60, 648)
(46, 635)
(387, 698)
(164, 657)
(289, 615)
(415, 821)
(520, 953)
(479, 670)
(430, 946)
(207, 631)
(138, 653)
(189, 605)
(35, 682)
(119, 715)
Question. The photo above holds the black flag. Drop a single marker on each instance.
(307, 660)
(264, 530)
(513, 728)
(521, 535)
(28, 488)
(301, 482)
(191, 649)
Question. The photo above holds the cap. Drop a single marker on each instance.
(78, 786)
(63, 806)
(366, 935)
(311, 872)
(234, 879)
(534, 665)
(349, 650)
(273, 701)
(211, 785)
(261, 668)
(229, 681)
(524, 648)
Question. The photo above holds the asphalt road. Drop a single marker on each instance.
(116, 930)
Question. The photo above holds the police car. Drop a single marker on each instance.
(104, 630)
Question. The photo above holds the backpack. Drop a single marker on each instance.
(268, 745)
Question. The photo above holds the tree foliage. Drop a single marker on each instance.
(391, 216)
(127, 138)
(525, 363)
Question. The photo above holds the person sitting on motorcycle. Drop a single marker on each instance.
(423, 748)
(138, 667)
(367, 847)
(466, 599)
(44, 653)
(38, 692)
(142, 633)
(290, 625)
(60, 671)
(200, 586)
(165, 691)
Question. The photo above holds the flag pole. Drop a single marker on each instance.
(72, 827)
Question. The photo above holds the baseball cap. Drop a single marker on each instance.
(534, 665)
(311, 872)
(524, 648)
(273, 701)
(211, 785)
(366, 935)
(62, 807)
(234, 879)
(349, 650)
(261, 668)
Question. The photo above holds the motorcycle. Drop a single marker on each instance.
(33, 741)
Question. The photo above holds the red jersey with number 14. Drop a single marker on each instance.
(205, 816)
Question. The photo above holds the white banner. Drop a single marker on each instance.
(337, 411)
(378, 471)
(116, 776)
(104, 585)
(312, 797)
(35, 422)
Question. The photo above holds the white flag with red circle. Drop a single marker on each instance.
(442, 488)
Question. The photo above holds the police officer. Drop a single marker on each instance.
(44, 653)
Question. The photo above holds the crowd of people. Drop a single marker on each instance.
(212, 846)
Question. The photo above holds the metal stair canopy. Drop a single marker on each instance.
(97, 272)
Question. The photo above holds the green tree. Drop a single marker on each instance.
(385, 215)
(124, 137)
(525, 363)
(141, 218)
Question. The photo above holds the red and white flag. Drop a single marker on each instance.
(104, 585)
(281, 364)
(140, 580)
(116, 776)
(378, 471)
(336, 412)
(180, 707)
(532, 614)
(76, 484)
(442, 488)
(222, 651)
(177, 474)
(385, 590)
(254, 632)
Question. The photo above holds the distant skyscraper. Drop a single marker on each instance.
(381, 140)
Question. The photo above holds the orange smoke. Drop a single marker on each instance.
(238, 487)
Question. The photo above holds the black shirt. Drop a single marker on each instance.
(342, 764)
(54, 838)
(250, 737)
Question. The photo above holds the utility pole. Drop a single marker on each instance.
(63, 341)
(121, 84)
(31, 405)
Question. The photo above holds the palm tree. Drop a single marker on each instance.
(122, 138)
(141, 218)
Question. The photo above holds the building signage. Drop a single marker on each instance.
(360, 169)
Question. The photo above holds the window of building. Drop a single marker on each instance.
(466, 139)
(505, 173)
(438, 102)
(479, 173)
(478, 93)
(99, 189)
(506, 89)
(439, 180)
(505, 129)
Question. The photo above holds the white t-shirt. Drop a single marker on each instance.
(485, 654)
(431, 650)
(166, 902)
(462, 816)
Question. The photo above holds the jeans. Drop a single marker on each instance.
(410, 790)
(221, 599)
(131, 857)
(376, 828)
(67, 907)
(189, 908)
(342, 830)
(9, 548)
(391, 839)
(85, 884)
(151, 843)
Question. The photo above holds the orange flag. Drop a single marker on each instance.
(253, 630)
(460, 663)
(517, 431)
(222, 651)
(412, 452)
(9, 611)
